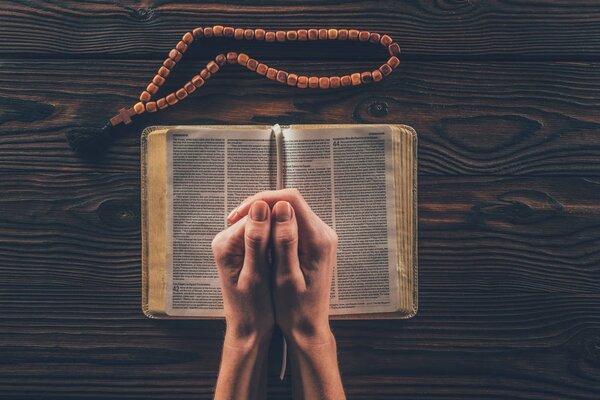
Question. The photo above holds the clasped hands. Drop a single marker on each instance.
(275, 264)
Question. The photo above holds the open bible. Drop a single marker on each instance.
(359, 179)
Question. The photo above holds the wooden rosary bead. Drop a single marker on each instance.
(218, 30)
(197, 81)
(232, 57)
(208, 32)
(228, 31)
(188, 38)
(252, 64)
(270, 36)
(212, 66)
(220, 59)
(162, 103)
(324, 82)
(181, 46)
(152, 88)
(366, 77)
(158, 80)
(198, 33)
(322, 34)
(190, 87)
(313, 34)
(346, 80)
(393, 62)
(394, 49)
(259, 34)
(205, 74)
(175, 55)
(375, 37)
(151, 106)
(353, 34)
(168, 63)
(332, 34)
(376, 75)
(145, 96)
(364, 36)
(313, 82)
(355, 79)
(282, 77)
(181, 94)
(172, 99)
(238, 34)
(242, 59)
(385, 69)
(248, 34)
(139, 108)
(280, 36)
(386, 40)
(302, 34)
(292, 79)
(261, 69)
(334, 82)
(291, 35)
(343, 34)
(271, 73)
(302, 82)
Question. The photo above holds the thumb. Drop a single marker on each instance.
(285, 245)
(256, 238)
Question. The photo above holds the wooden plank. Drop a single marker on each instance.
(471, 118)
(558, 30)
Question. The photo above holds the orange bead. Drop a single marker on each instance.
(302, 34)
(188, 38)
(313, 82)
(394, 49)
(302, 82)
(208, 32)
(346, 80)
(343, 34)
(212, 67)
(259, 34)
(145, 96)
(364, 36)
(197, 81)
(355, 79)
(220, 59)
(375, 37)
(205, 74)
(366, 77)
(282, 77)
(232, 57)
(385, 69)
(151, 106)
(181, 94)
(228, 31)
(270, 36)
(271, 73)
(238, 34)
(162, 103)
(152, 88)
(292, 79)
(198, 33)
(218, 30)
(386, 40)
(175, 55)
(332, 34)
(252, 64)
(168, 63)
(190, 87)
(242, 59)
(334, 82)
(353, 34)
(280, 36)
(158, 80)
(262, 69)
(322, 34)
(324, 82)
(313, 34)
(291, 35)
(393, 62)
(172, 99)
(139, 108)
(249, 34)
(376, 75)
(181, 46)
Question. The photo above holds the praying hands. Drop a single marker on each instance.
(275, 264)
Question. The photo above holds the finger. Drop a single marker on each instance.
(256, 238)
(285, 245)
(229, 243)
(292, 196)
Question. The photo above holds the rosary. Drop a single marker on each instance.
(86, 139)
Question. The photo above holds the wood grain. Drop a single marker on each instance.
(426, 30)
(472, 119)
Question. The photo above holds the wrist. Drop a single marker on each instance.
(311, 337)
(243, 339)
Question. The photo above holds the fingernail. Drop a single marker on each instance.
(259, 211)
(232, 213)
(283, 211)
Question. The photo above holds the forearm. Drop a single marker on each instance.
(315, 370)
(242, 374)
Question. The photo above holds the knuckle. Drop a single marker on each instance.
(255, 237)
(286, 238)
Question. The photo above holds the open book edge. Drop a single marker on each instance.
(154, 167)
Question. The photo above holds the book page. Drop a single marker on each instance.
(346, 176)
(212, 171)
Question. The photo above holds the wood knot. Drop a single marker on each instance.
(120, 213)
(586, 346)
(378, 108)
(142, 14)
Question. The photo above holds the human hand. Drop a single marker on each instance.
(303, 255)
(242, 256)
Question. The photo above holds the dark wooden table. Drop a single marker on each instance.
(505, 96)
